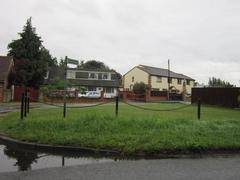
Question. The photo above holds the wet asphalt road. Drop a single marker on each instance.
(220, 168)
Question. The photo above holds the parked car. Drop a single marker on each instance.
(82, 94)
(109, 95)
(91, 94)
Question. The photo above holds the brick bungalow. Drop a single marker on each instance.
(6, 63)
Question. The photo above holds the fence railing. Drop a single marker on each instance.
(25, 104)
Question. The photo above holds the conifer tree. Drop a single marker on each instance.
(30, 58)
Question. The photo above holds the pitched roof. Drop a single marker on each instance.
(162, 72)
(5, 62)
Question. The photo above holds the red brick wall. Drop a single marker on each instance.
(19, 90)
(78, 100)
(1, 92)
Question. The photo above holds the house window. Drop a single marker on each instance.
(92, 76)
(70, 75)
(92, 89)
(100, 76)
(132, 78)
(131, 87)
(113, 76)
(109, 90)
(179, 81)
(81, 75)
(105, 76)
(188, 82)
(159, 79)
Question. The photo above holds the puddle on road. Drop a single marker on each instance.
(14, 159)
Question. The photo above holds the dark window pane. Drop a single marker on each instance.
(113, 76)
(92, 76)
(105, 76)
(109, 90)
(82, 75)
(99, 75)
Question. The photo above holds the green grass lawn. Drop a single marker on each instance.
(134, 130)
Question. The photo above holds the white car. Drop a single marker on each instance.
(93, 94)
(82, 94)
(110, 95)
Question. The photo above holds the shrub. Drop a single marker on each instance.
(140, 88)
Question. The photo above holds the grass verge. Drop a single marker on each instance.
(133, 131)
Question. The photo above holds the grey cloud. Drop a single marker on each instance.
(201, 38)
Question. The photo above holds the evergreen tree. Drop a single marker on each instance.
(30, 58)
(61, 63)
(217, 82)
(47, 57)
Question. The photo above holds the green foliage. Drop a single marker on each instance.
(58, 84)
(61, 63)
(82, 89)
(217, 82)
(140, 88)
(132, 131)
(31, 59)
(47, 57)
(44, 89)
(96, 65)
(93, 65)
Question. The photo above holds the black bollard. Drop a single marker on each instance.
(64, 109)
(199, 109)
(63, 161)
(25, 104)
(28, 104)
(116, 110)
(22, 106)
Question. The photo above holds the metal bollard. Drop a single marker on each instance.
(22, 106)
(199, 109)
(28, 104)
(25, 104)
(116, 110)
(64, 109)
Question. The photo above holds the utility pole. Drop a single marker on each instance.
(168, 79)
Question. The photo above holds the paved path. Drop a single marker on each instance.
(12, 107)
(169, 169)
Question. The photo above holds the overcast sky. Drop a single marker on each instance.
(200, 37)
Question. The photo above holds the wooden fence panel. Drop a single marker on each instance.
(228, 97)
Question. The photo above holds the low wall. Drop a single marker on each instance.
(18, 91)
(7, 95)
(1, 92)
(77, 100)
